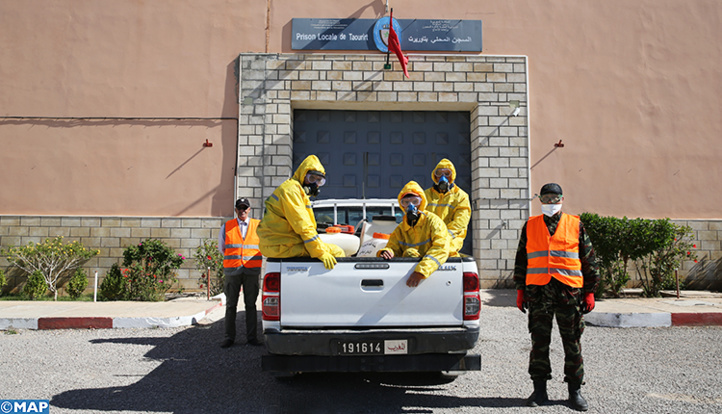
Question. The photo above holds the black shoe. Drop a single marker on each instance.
(254, 342)
(226, 343)
(575, 398)
(539, 396)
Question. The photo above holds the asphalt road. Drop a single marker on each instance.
(183, 370)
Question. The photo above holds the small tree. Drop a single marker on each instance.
(208, 256)
(51, 258)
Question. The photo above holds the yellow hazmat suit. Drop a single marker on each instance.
(428, 239)
(288, 227)
(453, 207)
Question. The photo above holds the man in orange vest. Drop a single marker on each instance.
(238, 243)
(555, 274)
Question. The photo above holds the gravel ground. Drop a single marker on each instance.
(182, 370)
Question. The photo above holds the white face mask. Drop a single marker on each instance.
(551, 209)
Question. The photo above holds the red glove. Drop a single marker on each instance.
(520, 302)
(588, 303)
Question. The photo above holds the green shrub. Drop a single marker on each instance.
(113, 285)
(36, 286)
(657, 269)
(654, 245)
(52, 258)
(150, 270)
(606, 234)
(77, 283)
(208, 256)
(3, 281)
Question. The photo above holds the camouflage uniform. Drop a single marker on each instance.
(556, 298)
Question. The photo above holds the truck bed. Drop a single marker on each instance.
(368, 292)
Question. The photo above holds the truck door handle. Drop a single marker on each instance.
(372, 283)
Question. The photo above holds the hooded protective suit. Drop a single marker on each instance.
(288, 227)
(453, 207)
(428, 239)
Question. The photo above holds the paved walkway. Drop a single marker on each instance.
(100, 315)
(694, 308)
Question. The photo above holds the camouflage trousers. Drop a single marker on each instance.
(562, 301)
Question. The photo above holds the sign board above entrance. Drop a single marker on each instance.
(371, 34)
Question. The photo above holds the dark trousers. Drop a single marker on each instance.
(546, 302)
(248, 279)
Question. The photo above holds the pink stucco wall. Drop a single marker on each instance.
(632, 88)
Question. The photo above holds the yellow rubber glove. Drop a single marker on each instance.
(328, 260)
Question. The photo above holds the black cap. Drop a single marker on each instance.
(551, 188)
(242, 203)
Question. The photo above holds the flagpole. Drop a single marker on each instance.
(388, 49)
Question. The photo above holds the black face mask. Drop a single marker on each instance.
(311, 189)
(444, 185)
(412, 215)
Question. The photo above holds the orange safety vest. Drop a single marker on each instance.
(241, 253)
(553, 256)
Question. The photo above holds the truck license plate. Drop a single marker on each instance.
(373, 347)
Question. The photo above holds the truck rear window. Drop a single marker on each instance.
(350, 215)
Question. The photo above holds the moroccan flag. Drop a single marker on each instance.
(395, 45)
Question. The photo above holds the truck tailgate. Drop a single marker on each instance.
(366, 293)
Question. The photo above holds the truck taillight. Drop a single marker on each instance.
(272, 282)
(472, 299)
(271, 300)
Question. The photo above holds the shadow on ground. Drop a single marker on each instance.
(196, 375)
(499, 297)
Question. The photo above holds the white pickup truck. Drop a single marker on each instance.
(361, 316)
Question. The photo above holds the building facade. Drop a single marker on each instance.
(105, 127)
